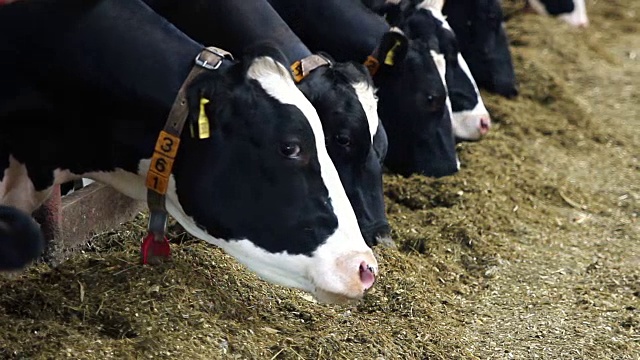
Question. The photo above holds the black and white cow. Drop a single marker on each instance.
(408, 73)
(342, 93)
(573, 12)
(470, 118)
(479, 28)
(102, 75)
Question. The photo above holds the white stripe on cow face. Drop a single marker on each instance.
(441, 64)
(369, 101)
(332, 273)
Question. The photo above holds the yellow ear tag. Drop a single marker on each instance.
(388, 60)
(203, 120)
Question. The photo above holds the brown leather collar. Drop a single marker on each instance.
(304, 67)
(168, 141)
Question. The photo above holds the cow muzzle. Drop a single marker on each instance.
(355, 274)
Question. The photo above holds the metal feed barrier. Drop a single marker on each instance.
(71, 220)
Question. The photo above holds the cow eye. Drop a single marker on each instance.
(431, 102)
(290, 150)
(343, 140)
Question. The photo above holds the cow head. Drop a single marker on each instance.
(483, 43)
(343, 95)
(470, 118)
(413, 106)
(263, 187)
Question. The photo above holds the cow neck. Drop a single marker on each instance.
(345, 29)
(165, 151)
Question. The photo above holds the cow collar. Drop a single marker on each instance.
(155, 244)
(305, 66)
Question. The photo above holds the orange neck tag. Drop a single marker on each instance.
(162, 162)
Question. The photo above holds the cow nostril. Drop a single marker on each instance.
(367, 275)
(485, 124)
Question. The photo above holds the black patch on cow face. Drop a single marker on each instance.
(557, 7)
(483, 43)
(348, 141)
(413, 108)
(258, 176)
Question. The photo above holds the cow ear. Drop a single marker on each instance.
(393, 48)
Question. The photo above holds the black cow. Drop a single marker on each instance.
(478, 25)
(342, 93)
(408, 74)
(102, 75)
(422, 19)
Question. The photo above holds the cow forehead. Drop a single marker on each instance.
(436, 12)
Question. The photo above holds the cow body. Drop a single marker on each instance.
(412, 97)
(342, 93)
(478, 25)
(102, 75)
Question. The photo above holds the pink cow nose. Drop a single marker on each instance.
(367, 275)
(485, 124)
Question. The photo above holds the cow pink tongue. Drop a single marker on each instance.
(366, 275)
